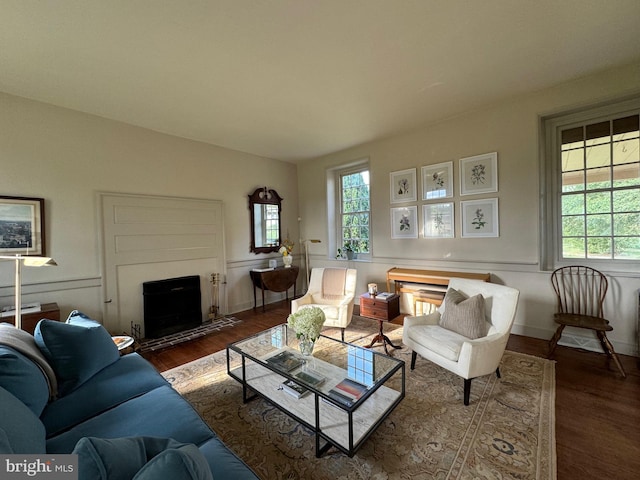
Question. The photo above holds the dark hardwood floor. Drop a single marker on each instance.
(597, 412)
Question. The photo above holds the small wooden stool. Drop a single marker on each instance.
(426, 296)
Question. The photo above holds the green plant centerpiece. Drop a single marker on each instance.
(307, 323)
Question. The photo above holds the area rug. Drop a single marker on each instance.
(155, 344)
(507, 431)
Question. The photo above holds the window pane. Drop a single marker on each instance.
(598, 178)
(573, 248)
(572, 137)
(599, 247)
(626, 151)
(598, 225)
(572, 204)
(573, 160)
(573, 181)
(598, 156)
(598, 133)
(599, 202)
(573, 226)
(626, 175)
(626, 200)
(626, 126)
(627, 248)
(626, 224)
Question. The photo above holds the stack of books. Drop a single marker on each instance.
(285, 361)
(347, 392)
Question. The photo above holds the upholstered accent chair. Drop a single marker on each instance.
(333, 290)
(467, 357)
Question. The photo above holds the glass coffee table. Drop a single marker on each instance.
(342, 392)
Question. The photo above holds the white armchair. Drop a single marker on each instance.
(332, 290)
(455, 352)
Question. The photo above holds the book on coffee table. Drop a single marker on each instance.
(310, 377)
(293, 389)
(285, 361)
(347, 392)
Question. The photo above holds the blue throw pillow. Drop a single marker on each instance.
(24, 431)
(182, 463)
(76, 350)
(23, 379)
(109, 459)
(135, 457)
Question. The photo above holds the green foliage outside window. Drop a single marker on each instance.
(355, 208)
(600, 196)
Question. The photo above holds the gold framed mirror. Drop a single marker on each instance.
(266, 230)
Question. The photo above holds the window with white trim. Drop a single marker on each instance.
(353, 216)
(593, 169)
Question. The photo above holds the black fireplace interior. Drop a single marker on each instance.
(171, 305)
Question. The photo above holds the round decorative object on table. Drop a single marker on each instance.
(122, 341)
(306, 346)
(288, 260)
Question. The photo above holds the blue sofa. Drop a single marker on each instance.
(67, 389)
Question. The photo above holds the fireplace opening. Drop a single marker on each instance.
(171, 305)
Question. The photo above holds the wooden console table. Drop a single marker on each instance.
(279, 279)
(427, 277)
(429, 286)
(50, 311)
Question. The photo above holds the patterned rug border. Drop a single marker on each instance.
(155, 344)
(481, 453)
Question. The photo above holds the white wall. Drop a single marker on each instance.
(66, 156)
(512, 129)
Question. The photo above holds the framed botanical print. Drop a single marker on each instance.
(437, 220)
(404, 222)
(479, 174)
(22, 226)
(480, 218)
(437, 181)
(403, 186)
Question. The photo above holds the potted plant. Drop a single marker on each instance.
(349, 250)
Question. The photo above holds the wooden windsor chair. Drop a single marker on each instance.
(581, 291)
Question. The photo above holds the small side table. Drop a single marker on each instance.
(279, 279)
(382, 310)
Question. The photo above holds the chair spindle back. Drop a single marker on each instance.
(580, 290)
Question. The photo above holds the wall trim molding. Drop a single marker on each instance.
(53, 286)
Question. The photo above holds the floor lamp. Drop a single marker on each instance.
(306, 258)
(28, 262)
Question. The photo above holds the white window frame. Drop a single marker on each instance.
(551, 184)
(334, 206)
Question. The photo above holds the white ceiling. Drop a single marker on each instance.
(296, 79)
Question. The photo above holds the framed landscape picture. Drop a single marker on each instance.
(403, 186)
(479, 174)
(480, 218)
(437, 220)
(22, 226)
(404, 222)
(437, 181)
